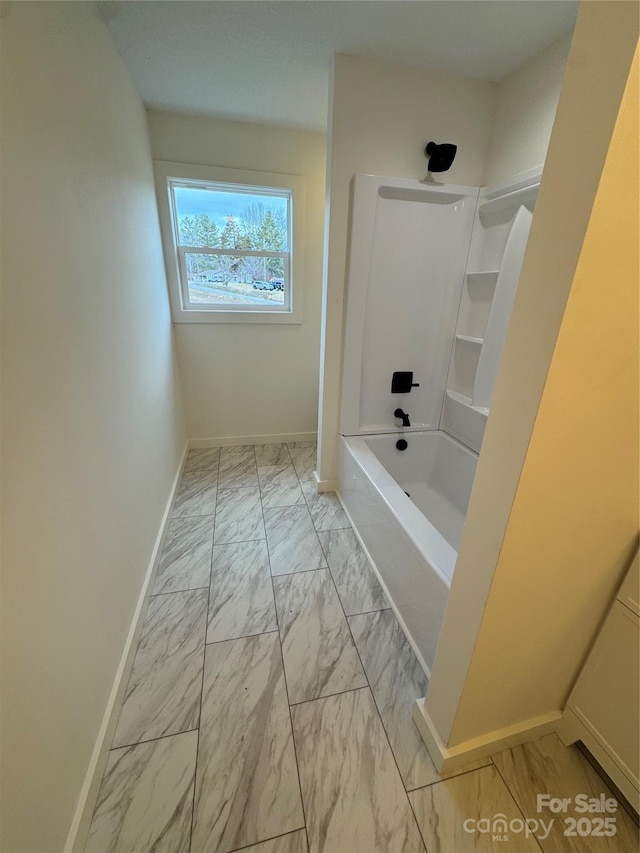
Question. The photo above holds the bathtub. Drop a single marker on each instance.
(408, 509)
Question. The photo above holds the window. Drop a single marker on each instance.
(231, 243)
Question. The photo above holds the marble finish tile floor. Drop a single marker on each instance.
(185, 561)
(279, 486)
(273, 454)
(197, 494)
(354, 578)
(242, 599)
(293, 541)
(238, 516)
(246, 785)
(203, 459)
(163, 693)
(326, 510)
(146, 797)
(396, 679)
(269, 704)
(238, 468)
(319, 655)
(354, 798)
(303, 455)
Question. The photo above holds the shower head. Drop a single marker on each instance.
(440, 156)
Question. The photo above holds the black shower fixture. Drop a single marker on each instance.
(441, 156)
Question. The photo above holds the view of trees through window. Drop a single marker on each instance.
(226, 219)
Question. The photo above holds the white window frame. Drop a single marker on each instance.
(182, 310)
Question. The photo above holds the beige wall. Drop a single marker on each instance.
(536, 573)
(92, 432)
(574, 523)
(382, 116)
(246, 379)
(525, 110)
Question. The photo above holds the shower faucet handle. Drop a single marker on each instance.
(402, 382)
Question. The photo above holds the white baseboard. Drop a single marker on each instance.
(76, 839)
(451, 758)
(237, 440)
(325, 485)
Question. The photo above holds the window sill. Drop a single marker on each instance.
(266, 317)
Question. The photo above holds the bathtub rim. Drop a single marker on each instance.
(430, 543)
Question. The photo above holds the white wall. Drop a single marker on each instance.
(560, 456)
(381, 117)
(525, 110)
(92, 431)
(246, 379)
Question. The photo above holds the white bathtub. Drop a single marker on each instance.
(411, 541)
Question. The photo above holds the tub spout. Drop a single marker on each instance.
(405, 418)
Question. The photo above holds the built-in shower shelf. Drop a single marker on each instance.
(483, 277)
(467, 339)
(466, 401)
(463, 420)
(475, 305)
(523, 196)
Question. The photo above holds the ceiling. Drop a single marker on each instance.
(268, 62)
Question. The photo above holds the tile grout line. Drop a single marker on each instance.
(366, 675)
(143, 617)
(176, 591)
(454, 775)
(367, 612)
(240, 541)
(384, 728)
(313, 524)
(293, 739)
(244, 637)
(326, 557)
(152, 740)
(375, 704)
(290, 465)
(330, 695)
(329, 529)
(286, 687)
(266, 840)
(195, 515)
(417, 822)
(145, 612)
(203, 473)
(204, 655)
(255, 462)
(513, 797)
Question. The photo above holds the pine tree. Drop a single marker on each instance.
(188, 231)
(231, 237)
(269, 235)
(270, 238)
(208, 233)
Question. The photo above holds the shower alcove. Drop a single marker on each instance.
(433, 271)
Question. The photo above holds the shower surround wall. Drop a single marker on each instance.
(409, 243)
(412, 306)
